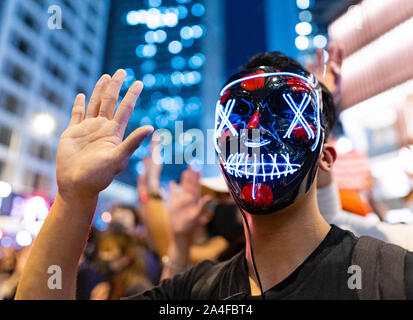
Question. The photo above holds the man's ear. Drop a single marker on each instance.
(328, 157)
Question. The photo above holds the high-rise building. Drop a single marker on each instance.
(50, 50)
(176, 48)
(246, 32)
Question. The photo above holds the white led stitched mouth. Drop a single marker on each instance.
(256, 144)
(245, 165)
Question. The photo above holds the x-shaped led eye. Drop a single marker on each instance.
(223, 115)
(298, 111)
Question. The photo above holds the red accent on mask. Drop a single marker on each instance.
(227, 132)
(300, 133)
(253, 84)
(298, 85)
(263, 195)
(225, 96)
(255, 120)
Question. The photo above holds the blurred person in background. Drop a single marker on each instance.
(189, 215)
(329, 204)
(227, 220)
(11, 269)
(328, 193)
(88, 274)
(132, 221)
(127, 216)
(8, 262)
(122, 263)
(185, 230)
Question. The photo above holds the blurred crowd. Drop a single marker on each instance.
(153, 240)
(163, 236)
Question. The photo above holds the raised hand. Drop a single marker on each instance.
(148, 181)
(329, 73)
(185, 209)
(91, 151)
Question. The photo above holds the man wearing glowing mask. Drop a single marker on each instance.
(269, 135)
(270, 129)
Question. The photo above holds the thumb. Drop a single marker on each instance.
(310, 66)
(173, 188)
(133, 141)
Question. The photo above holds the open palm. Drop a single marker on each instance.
(91, 151)
(329, 73)
(186, 204)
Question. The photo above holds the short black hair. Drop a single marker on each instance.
(280, 61)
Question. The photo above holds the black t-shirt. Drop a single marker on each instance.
(323, 275)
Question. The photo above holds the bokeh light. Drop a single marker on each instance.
(6, 242)
(106, 217)
(5, 189)
(302, 42)
(44, 124)
(24, 238)
(303, 28)
(303, 4)
(320, 41)
(178, 63)
(198, 10)
(175, 47)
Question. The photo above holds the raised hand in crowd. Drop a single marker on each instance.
(149, 179)
(329, 73)
(187, 213)
(91, 152)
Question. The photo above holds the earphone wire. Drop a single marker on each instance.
(252, 254)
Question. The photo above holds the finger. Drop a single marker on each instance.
(141, 180)
(197, 182)
(337, 55)
(142, 186)
(173, 188)
(127, 105)
(147, 163)
(333, 50)
(111, 94)
(320, 62)
(340, 56)
(78, 110)
(189, 178)
(155, 148)
(185, 180)
(194, 177)
(193, 185)
(95, 99)
(133, 141)
(332, 54)
(310, 66)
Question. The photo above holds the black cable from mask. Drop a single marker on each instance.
(252, 254)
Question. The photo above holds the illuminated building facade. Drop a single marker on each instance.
(41, 71)
(166, 44)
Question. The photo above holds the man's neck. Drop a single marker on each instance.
(283, 241)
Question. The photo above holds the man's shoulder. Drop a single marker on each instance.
(389, 266)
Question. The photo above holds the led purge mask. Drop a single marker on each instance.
(269, 136)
